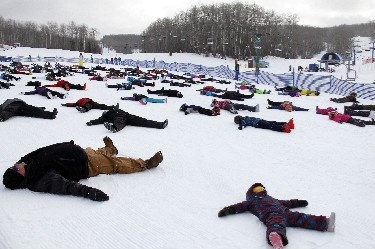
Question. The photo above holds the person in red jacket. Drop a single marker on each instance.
(343, 118)
(86, 104)
(67, 85)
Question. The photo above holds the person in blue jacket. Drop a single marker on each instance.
(275, 214)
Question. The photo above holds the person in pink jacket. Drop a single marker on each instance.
(324, 111)
(343, 118)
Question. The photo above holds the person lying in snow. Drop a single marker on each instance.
(244, 121)
(18, 107)
(67, 85)
(187, 109)
(285, 105)
(143, 99)
(57, 168)
(276, 215)
(86, 104)
(343, 118)
(116, 119)
(352, 97)
(234, 95)
(169, 92)
(233, 107)
(44, 91)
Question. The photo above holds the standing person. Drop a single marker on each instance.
(57, 168)
(86, 104)
(263, 124)
(116, 119)
(18, 107)
(44, 91)
(275, 214)
(80, 60)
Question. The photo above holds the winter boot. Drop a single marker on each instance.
(109, 144)
(143, 101)
(154, 161)
(256, 109)
(232, 110)
(110, 127)
(291, 123)
(275, 240)
(331, 222)
(188, 111)
(371, 122)
(164, 124)
(285, 128)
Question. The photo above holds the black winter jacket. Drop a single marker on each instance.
(56, 169)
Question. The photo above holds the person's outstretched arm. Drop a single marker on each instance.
(97, 121)
(294, 203)
(235, 209)
(54, 183)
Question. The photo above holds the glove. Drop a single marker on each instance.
(64, 104)
(298, 203)
(302, 203)
(22, 93)
(225, 211)
(340, 122)
(95, 194)
(89, 123)
(240, 127)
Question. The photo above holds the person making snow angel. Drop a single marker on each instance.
(275, 214)
(57, 168)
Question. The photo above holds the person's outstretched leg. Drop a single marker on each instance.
(276, 223)
(307, 221)
(274, 103)
(35, 112)
(275, 240)
(143, 122)
(101, 162)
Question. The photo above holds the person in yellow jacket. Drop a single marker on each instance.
(308, 92)
(80, 61)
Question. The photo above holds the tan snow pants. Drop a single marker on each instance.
(101, 161)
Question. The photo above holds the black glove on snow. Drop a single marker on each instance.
(95, 194)
(89, 123)
(298, 203)
(63, 104)
(225, 211)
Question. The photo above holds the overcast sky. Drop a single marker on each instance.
(132, 17)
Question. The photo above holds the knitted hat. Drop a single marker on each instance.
(12, 179)
(237, 119)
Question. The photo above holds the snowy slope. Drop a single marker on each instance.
(208, 164)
